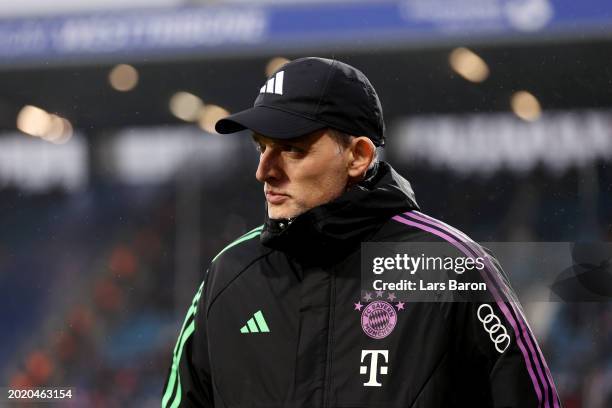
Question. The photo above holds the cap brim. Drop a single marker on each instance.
(268, 122)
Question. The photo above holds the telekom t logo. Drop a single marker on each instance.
(373, 367)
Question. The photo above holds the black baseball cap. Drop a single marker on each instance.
(309, 94)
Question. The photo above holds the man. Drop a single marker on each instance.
(281, 320)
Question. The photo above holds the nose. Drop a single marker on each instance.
(269, 166)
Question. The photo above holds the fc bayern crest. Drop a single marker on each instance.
(378, 319)
(379, 316)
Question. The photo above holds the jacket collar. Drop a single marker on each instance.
(328, 231)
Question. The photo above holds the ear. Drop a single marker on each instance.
(361, 155)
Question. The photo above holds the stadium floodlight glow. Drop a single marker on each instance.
(209, 115)
(33, 121)
(55, 130)
(123, 77)
(62, 130)
(185, 106)
(526, 106)
(468, 64)
(48, 126)
(68, 132)
(275, 64)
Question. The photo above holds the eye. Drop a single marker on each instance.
(293, 149)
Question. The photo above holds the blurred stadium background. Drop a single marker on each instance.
(115, 193)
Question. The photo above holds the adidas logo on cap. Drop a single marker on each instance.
(274, 84)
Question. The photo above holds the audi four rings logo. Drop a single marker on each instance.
(491, 323)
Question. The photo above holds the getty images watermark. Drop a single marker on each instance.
(472, 272)
(407, 264)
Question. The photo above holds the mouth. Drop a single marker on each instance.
(276, 198)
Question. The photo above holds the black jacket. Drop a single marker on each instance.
(278, 321)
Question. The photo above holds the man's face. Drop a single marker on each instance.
(302, 173)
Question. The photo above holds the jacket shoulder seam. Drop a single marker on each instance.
(255, 232)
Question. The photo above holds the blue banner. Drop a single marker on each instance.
(232, 29)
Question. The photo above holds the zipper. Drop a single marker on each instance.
(330, 340)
